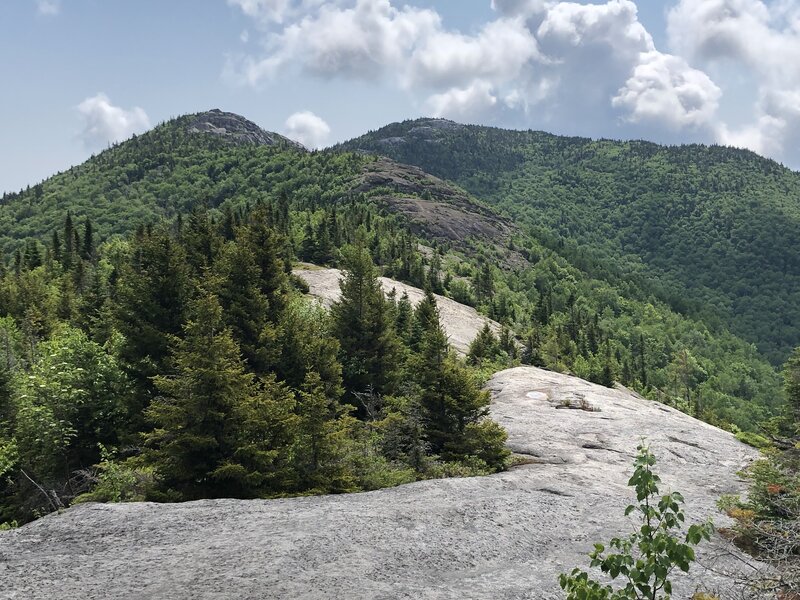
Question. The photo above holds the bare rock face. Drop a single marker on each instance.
(461, 323)
(506, 536)
(235, 129)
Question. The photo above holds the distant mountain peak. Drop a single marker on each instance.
(235, 128)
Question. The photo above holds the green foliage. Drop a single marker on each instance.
(116, 480)
(560, 283)
(123, 248)
(361, 322)
(753, 439)
(645, 559)
(193, 413)
(660, 221)
(71, 399)
(791, 378)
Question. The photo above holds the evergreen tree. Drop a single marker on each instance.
(484, 347)
(246, 309)
(268, 248)
(453, 405)
(426, 317)
(87, 248)
(69, 242)
(404, 316)
(791, 378)
(323, 440)
(369, 348)
(152, 294)
(260, 438)
(196, 407)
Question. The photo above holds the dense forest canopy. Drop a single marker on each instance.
(713, 231)
(155, 344)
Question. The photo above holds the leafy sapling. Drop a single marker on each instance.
(646, 558)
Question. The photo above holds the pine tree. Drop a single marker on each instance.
(69, 242)
(308, 247)
(324, 250)
(268, 248)
(404, 315)
(195, 408)
(246, 309)
(484, 347)
(369, 348)
(261, 437)
(426, 316)
(791, 378)
(323, 440)
(200, 241)
(453, 405)
(152, 293)
(87, 248)
(56, 244)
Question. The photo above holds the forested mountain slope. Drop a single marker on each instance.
(713, 231)
(114, 257)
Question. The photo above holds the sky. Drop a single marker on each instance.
(78, 75)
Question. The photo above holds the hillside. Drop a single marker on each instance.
(714, 232)
(419, 229)
(498, 537)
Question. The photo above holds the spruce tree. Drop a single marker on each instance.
(453, 405)
(69, 242)
(791, 378)
(268, 248)
(426, 317)
(87, 248)
(485, 346)
(324, 440)
(196, 406)
(369, 347)
(246, 309)
(260, 439)
(152, 292)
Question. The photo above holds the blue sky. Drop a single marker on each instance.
(79, 74)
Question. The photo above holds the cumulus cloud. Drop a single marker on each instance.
(499, 52)
(104, 123)
(263, 11)
(463, 103)
(761, 40)
(308, 129)
(585, 68)
(664, 88)
(362, 41)
(48, 7)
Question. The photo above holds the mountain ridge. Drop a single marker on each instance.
(713, 231)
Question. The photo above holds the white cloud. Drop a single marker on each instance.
(583, 68)
(263, 11)
(761, 40)
(463, 103)
(500, 51)
(308, 129)
(104, 123)
(363, 41)
(48, 7)
(663, 88)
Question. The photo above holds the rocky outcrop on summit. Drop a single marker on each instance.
(235, 129)
(506, 536)
(437, 210)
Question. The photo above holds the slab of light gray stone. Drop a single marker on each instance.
(505, 536)
(461, 323)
